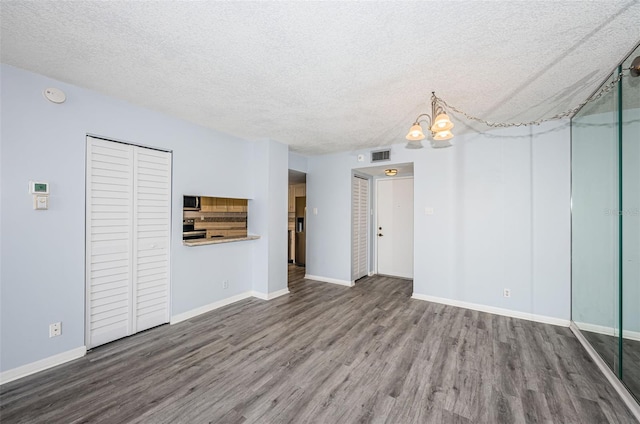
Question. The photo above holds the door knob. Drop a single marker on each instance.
(380, 235)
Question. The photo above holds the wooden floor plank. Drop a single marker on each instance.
(327, 354)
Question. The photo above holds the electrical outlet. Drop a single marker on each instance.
(55, 329)
(225, 284)
(506, 293)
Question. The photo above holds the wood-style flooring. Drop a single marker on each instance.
(327, 354)
(608, 349)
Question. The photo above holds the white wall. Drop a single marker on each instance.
(502, 218)
(42, 252)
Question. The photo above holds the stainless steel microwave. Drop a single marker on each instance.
(191, 203)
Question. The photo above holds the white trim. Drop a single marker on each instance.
(210, 307)
(329, 280)
(627, 398)
(493, 310)
(269, 296)
(42, 364)
(224, 302)
(609, 331)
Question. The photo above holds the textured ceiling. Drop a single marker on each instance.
(327, 76)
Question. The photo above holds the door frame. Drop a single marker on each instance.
(374, 227)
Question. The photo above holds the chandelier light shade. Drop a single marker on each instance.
(415, 133)
(442, 123)
(439, 125)
(443, 135)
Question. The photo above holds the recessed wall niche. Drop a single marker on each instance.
(215, 217)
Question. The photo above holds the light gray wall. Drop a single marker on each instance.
(270, 209)
(596, 191)
(42, 273)
(631, 218)
(329, 232)
(502, 218)
(297, 162)
(595, 220)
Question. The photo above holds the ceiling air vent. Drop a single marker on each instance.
(380, 155)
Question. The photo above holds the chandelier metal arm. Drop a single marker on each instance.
(418, 120)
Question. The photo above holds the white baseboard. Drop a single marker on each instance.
(609, 331)
(329, 280)
(42, 364)
(493, 310)
(224, 302)
(210, 307)
(269, 296)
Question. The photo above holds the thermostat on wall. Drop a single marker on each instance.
(38, 187)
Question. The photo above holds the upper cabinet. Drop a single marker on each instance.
(296, 190)
(300, 190)
(236, 205)
(221, 204)
(206, 204)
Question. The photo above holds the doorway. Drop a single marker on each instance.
(297, 225)
(383, 204)
(394, 226)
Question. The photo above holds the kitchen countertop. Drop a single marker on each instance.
(217, 240)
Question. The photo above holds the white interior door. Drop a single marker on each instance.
(394, 229)
(128, 193)
(359, 227)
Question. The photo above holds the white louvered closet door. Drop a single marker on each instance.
(359, 221)
(127, 246)
(152, 215)
(109, 204)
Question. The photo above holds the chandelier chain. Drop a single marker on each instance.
(597, 95)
